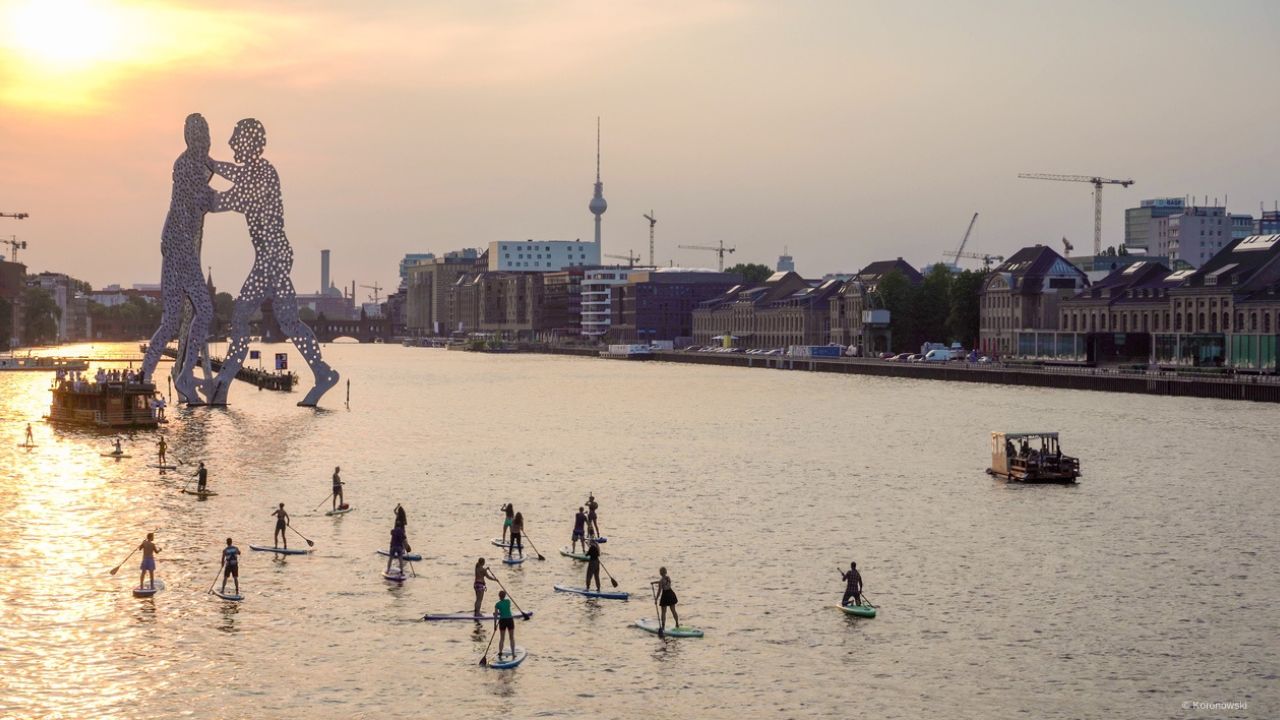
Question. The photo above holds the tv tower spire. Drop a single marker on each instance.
(598, 204)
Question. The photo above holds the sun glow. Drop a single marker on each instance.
(65, 34)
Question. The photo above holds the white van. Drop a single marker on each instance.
(938, 355)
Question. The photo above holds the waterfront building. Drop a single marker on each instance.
(1194, 235)
(783, 310)
(659, 304)
(407, 262)
(597, 298)
(1242, 225)
(541, 255)
(561, 311)
(430, 282)
(1023, 294)
(1268, 223)
(857, 316)
(73, 319)
(1112, 320)
(1140, 223)
(785, 262)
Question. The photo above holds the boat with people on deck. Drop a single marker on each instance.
(1031, 457)
(110, 399)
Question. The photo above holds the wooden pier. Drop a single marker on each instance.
(262, 379)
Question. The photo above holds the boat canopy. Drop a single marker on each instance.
(1016, 436)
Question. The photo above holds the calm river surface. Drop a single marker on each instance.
(1152, 583)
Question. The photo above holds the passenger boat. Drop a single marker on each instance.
(106, 405)
(628, 352)
(48, 364)
(1031, 457)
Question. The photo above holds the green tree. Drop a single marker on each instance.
(751, 272)
(40, 316)
(898, 297)
(306, 315)
(224, 306)
(932, 306)
(965, 315)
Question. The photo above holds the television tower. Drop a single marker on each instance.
(598, 205)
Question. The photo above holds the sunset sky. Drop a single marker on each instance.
(846, 131)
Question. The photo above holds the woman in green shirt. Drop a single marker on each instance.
(504, 621)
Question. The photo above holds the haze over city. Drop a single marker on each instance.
(843, 131)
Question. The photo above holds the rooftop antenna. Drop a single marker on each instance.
(652, 221)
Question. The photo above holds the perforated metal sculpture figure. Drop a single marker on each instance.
(180, 275)
(255, 193)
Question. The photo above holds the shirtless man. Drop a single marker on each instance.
(593, 522)
(202, 479)
(149, 552)
(255, 193)
(161, 447)
(30, 438)
(579, 530)
(337, 490)
(282, 521)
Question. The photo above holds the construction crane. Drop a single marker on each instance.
(16, 244)
(960, 250)
(631, 259)
(376, 288)
(15, 216)
(720, 251)
(987, 260)
(1097, 183)
(652, 221)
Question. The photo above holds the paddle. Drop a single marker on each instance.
(535, 548)
(215, 577)
(484, 659)
(606, 572)
(523, 615)
(867, 600)
(304, 537)
(322, 502)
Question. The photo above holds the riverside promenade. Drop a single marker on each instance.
(1256, 388)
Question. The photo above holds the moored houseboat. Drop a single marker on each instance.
(1031, 457)
(106, 404)
(41, 363)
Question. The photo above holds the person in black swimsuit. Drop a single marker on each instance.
(853, 585)
(282, 521)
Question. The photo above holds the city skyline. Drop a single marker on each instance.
(852, 132)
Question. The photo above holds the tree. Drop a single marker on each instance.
(751, 272)
(965, 315)
(898, 297)
(40, 316)
(306, 314)
(932, 306)
(224, 306)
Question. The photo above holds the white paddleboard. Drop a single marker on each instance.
(468, 616)
(408, 557)
(603, 594)
(394, 575)
(279, 551)
(651, 625)
(26, 445)
(499, 543)
(147, 590)
(508, 659)
(340, 511)
(513, 560)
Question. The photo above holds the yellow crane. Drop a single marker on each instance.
(719, 251)
(1097, 183)
(653, 220)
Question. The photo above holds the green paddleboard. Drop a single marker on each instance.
(865, 611)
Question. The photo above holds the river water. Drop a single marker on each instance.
(1151, 584)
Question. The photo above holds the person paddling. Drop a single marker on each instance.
(396, 551)
(119, 450)
(504, 621)
(282, 521)
(666, 599)
(482, 573)
(230, 566)
(149, 552)
(508, 517)
(402, 521)
(593, 565)
(853, 585)
(161, 447)
(517, 527)
(593, 519)
(30, 438)
(579, 528)
(202, 480)
(338, 499)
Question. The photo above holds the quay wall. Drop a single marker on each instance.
(1251, 388)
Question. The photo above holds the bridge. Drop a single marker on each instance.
(366, 330)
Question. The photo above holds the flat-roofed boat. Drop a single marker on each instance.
(1034, 457)
(106, 405)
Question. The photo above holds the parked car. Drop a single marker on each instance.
(901, 357)
(915, 357)
(887, 356)
(985, 360)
